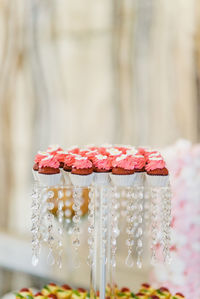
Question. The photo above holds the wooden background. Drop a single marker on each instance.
(91, 71)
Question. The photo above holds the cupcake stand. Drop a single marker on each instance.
(146, 203)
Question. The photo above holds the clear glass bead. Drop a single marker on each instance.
(50, 194)
(68, 213)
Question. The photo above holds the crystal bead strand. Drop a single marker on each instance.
(92, 241)
(35, 228)
(60, 215)
(139, 197)
(49, 219)
(68, 212)
(114, 225)
(114, 233)
(103, 207)
(147, 209)
(155, 228)
(123, 210)
(130, 226)
(91, 212)
(166, 223)
(77, 197)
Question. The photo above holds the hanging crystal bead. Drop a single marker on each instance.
(114, 224)
(131, 223)
(35, 228)
(60, 217)
(48, 216)
(139, 208)
(155, 223)
(91, 220)
(77, 197)
(166, 223)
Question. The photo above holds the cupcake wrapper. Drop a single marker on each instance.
(123, 180)
(101, 178)
(66, 178)
(157, 180)
(49, 179)
(139, 179)
(81, 180)
(35, 174)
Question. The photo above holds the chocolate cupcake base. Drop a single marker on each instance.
(83, 171)
(48, 170)
(67, 168)
(163, 171)
(122, 171)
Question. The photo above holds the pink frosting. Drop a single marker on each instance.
(91, 154)
(102, 162)
(92, 147)
(122, 149)
(155, 163)
(69, 159)
(60, 156)
(82, 163)
(140, 161)
(74, 150)
(40, 156)
(150, 152)
(83, 152)
(102, 150)
(141, 151)
(125, 162)
(154, 154)
(113, 152)
(49, 161)
(53, 149)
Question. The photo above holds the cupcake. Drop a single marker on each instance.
(157, 173)
(91, 154)
(132, 151)
(113, 152)
(73, 150)
(123, 173)
(40, 155)
(153, 154)
(149, 152)
(38, 158)
(53, 149)
(60, 156)
(122, 149)
(82, 172)
(102, 150)
(83, 152)
(102, 165)
(49, 172)
(68, 162)
(140, 163)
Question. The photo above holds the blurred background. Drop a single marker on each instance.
(80, 72)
